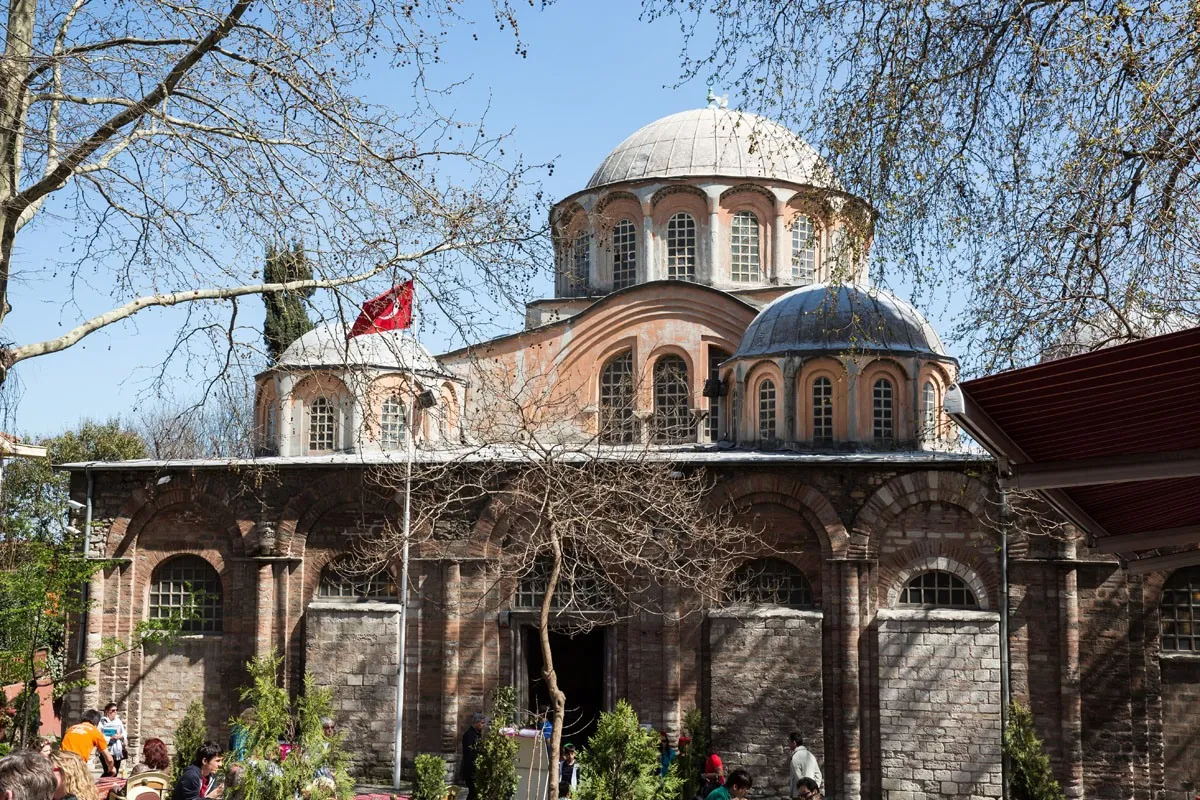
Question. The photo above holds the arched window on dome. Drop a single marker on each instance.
(322, 425)
(929, 412)
(624, 254)
(393, 423)
(804, 250)
(770, 581)
(822, 411)
(672, 412)
(617, 423)
(883, 413)
(745, 264)
(339, 583)
(766, 411)
(681, 247)
(937, 589)
(1179, 612)
(188, 590)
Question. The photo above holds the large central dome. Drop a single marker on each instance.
(718, 142)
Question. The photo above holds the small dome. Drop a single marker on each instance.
(717, 142)
(326, 346)
(835, 319)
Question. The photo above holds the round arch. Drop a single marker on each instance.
(806, 501)
(904, 491)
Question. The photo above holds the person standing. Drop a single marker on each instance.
(713, 776)
(26, 775)
(85, 737)
(470, 745)
(114, 731)
(200, 779)
(568, 774)
(802, 764)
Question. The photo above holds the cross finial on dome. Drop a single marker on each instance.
(715, 101)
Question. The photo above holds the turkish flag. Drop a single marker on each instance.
(391, 311)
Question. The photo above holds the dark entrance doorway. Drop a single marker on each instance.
(579, 664)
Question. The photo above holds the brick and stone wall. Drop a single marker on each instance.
(1181, 734)
(939, 704)
(765, 682)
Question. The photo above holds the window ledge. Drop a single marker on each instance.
(355, 605)
(747, 611)
(938, 614)
(1189, 656)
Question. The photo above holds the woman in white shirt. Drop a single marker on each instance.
(114, 730)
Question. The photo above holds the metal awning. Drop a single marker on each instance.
(1109, 438)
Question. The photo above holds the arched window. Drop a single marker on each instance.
(681, 247)
(322, 426)
(766, 410)
(929, 412)
(883, 420)
(580, 264)
(616, 400)
(937, 589)
(770, 581)
(337, 583)
(715, 356)
(822, 411)
(187, 589)
(1179, 612)
(393, 427)
(744, 259)
(804, 250)
(672, 413)
(624, 254)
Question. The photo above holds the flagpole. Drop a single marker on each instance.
(402, 618)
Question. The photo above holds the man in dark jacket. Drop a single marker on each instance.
(470, 742)
(199, 781)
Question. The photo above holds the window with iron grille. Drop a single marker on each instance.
(937, 589)
(766, 410)
(883, 428)
(393, 432)
(672, 412)
(322, 426)
(188, 589)
(574, 592)
(715, 356)
(617, 423)
(928, 412)
(804, 250)
(270, 427)
(624, 254)
(822, 411)
(337, 583)
(681, 247)
(580, 264)
(771, 581)
(1179, 612)
(744, 258)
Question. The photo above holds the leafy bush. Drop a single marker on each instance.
(1029, 774)
(431, 778)
(190, 734)
(621, 761)
(495, 766)
(690, 761)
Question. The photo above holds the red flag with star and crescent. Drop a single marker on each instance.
(391, 311)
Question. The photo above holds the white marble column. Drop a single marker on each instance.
(781, 268)
(650, 270)
(289, 419)
(714, 275)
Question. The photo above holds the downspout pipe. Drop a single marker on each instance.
(1005, 678)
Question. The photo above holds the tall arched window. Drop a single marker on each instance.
(624, 254)
(804, 250)
(322, 425)
(715, 356)
(744, 259)
(766, 410)
(822, 411)
(393, 427)
(580, 264)
(187, 589)
(338, 583)
(938, 589)
(681, 247)
(929, 412)
(770, 581)
(672, 412)
(1179, 612)
(616, 400)
(883, 417)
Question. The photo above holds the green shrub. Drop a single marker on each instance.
(495, 765)
(431, 778)
(1029, 774)
(690, 761)
(190, 734)
(622, 761)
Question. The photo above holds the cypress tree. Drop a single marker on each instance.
(1030, 777)
(287, 316)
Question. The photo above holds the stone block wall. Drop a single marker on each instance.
(1181, 735)
(939, 704)
(190, 669)
(764, 682)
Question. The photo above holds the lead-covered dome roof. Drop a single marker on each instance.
(714, 141)
(326, 346)
(827, 319)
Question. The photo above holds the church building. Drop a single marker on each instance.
(711, 303)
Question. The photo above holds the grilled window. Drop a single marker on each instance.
(616, 400)
(766, 410)
(322, 426)
(393, 428)
(804, 250)
(624, 254)
(744, 258)
(929, 412)
(672, 414)
(681, 247)
(575, 592)
(771, 581)
(937, 589)
(1179, 612)
(337, 583)
(883, 422)
(715, 356)
(579, 264)
(187, 589)
(822, 411)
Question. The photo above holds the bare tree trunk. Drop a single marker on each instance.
(18, 50)
(557, 698)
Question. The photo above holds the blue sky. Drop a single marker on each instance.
(594, 73)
